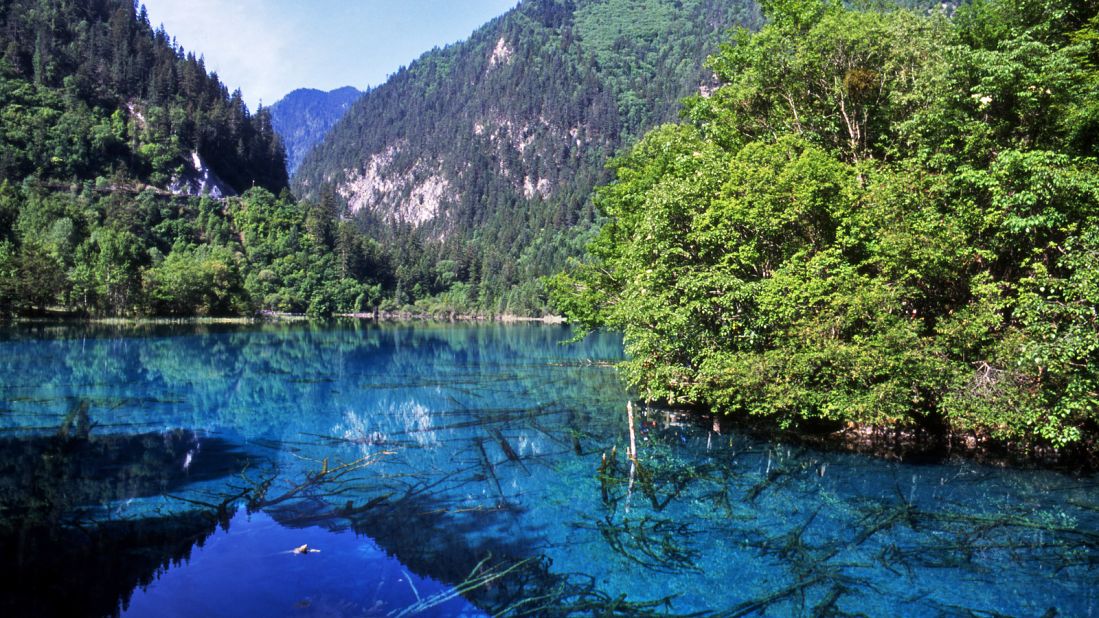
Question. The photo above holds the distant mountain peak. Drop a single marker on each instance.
(304, 116)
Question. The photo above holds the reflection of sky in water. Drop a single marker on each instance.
(348, 576)
(486, 449)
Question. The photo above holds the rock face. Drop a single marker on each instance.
(474, 168)
(423, 188)
(521, 117)
(199, 179)
(303, 117)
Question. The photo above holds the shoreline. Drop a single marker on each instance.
(903, 444)
(276, 317)
(910, 445)
(409, 316)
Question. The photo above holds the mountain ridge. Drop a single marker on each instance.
(112, 94)
(476, 163)
(305, 115)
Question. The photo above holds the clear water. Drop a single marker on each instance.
(472, 470)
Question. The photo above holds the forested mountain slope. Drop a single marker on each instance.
(90, 88)
(475, 165)
(303, 117)
(107, 130)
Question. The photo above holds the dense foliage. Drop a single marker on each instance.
(99, 114)
(881, 217)
(494, 144)
(88, 88)
(303, 117)
(118, 253)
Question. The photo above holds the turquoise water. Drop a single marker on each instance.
(473, 470)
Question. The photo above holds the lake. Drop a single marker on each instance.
(468, 470)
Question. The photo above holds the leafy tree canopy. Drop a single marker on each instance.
(882, 217)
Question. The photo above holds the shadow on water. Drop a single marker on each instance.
(478, 552)
(863, 542)
(68, 547)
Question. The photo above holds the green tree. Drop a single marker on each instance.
(9, 279)
(196, 281)
(41, 277)
(881, 218)
(111, 274)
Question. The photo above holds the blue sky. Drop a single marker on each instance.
(269, 47)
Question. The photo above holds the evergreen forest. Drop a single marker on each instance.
(474, 166)
(129, 173)
(868, 215)
(303, 117)
(781, 235)
(107, 127)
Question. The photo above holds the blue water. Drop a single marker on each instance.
(473, 470)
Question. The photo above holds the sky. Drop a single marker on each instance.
(268, 48)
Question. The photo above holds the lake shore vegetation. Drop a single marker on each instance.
(880, 219)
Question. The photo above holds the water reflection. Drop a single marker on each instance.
(71, 544)
(348, 576)
(492, 461)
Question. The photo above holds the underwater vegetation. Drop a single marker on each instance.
(479, 469)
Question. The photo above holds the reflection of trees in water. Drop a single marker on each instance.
(829, 549)
(255, 378)
(71, 547)
(807, 542)
(417, 385)
(490, 429)
(93, 569)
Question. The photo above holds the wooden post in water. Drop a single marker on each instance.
(632, 455)
(633, 438)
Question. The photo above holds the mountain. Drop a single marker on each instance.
(303, 117)
(475, 165)
(91, 89)
(120, 160)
